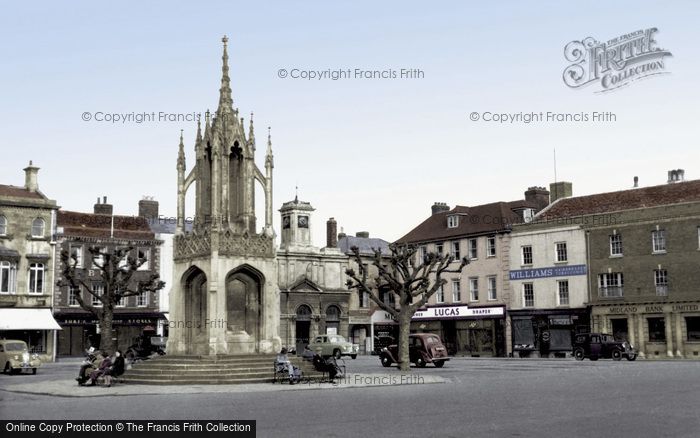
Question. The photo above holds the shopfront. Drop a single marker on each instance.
(384, 331)
(81, 330)
(465, 330)
(36, 327)
(546, 333)
(656, 330)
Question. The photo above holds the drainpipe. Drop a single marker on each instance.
(53, 280)
(588, 280)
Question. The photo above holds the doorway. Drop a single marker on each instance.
(303, 328)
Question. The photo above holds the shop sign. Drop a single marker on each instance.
(359, 320)
(453, 312)
(548, 272)
(382, 316)
(618, 310)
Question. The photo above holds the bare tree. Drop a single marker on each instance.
(116, 269)
(411, 281)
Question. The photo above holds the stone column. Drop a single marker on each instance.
(631, 338)
(668, 322)
(679, 336)
(640, 327)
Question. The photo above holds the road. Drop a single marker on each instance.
(483, 397)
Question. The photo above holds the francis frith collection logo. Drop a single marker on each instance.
(615, 63)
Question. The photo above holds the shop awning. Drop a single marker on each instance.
(27, 319)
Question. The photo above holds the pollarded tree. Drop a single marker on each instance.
(115, 273)
(412, 281)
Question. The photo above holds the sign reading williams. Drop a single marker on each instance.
(553, 271)
(615, 63)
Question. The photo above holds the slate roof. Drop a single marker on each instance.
(365, 244)
(19, 192)
(644, 197)
(99, 225)
(477, 220)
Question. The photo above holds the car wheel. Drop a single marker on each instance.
(632, 357)
(33, 370)
(337, 354)
(616, 355)
(386, 362)
(353, 356)
(420, 363)
(439, 363)
(579, 354)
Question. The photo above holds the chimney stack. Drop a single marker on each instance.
(538, 196)
(362, 234)
(677, 175)
(103, 208)
(331, 233)
(636, 182)
(148, 208)
(561, 189)
(31, 182)
(439, 207)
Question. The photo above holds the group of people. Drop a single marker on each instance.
(101, 364)
(330, 366)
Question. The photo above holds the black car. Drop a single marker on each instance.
(600, 345)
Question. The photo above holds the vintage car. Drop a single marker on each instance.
(423, 348)
(15, 357)
(333, 345)
(601, 345)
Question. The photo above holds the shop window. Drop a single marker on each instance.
(657, 329)
(692, 324)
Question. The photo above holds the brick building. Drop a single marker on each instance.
(77, 232)
(644, 264)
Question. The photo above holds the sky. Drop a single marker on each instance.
(373, 153)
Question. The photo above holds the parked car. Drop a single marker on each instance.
(333, 345)
(597, 345)
(15, 357)
(423, 348)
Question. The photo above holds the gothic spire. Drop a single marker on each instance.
(268, 155)
(251, 134)
(225, 99)
(181, 154)
(199, 132)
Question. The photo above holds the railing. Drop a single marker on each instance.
(610, 292)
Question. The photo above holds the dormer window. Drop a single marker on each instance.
(528, 214)
(452, 221)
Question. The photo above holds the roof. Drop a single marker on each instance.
(366, 245)
(481, 219)
(19, 192)
(100, 225)
(645, 197)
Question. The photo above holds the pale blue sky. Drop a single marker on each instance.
(374, 154)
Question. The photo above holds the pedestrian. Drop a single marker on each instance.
(282, 362)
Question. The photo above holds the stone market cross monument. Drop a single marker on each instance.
(224, 297)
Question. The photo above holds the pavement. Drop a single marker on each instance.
(58, 379)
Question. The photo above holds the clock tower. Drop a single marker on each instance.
(296, 225)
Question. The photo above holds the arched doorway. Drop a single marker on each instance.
(303, 327)
(194, 283)
(333, 320)
(243, 303)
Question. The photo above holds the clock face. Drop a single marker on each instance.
(303, 222)
(285, 222)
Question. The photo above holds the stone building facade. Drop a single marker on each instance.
(27, 253)
(224, 297)
(77, 232)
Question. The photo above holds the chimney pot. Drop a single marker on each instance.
(31, 181)
(439, 207)
(363, 234)
(103, 208)
(636, 181)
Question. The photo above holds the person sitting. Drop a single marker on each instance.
(329, 366)
(282, 363)
(116, 370)
(101, 371)
(92, 362)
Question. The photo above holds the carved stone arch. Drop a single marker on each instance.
(244, 287)
(194, 287)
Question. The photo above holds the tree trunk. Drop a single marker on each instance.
(404, 330)
(107, 339)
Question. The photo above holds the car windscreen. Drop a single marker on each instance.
(336, 339)
(15, 346)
